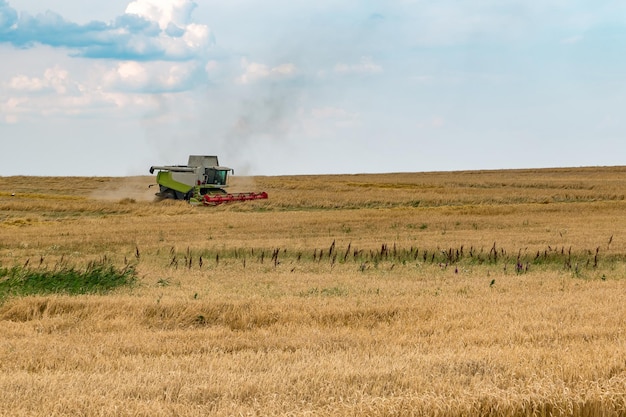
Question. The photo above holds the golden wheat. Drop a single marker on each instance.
(497, 293)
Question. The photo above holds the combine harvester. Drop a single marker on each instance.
(201, 181)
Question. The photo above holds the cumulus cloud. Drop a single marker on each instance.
(153, 48)
(151, 77)
(168, 14)
(254, 71)
(10, 109)
(148, 30)
(53, 80)
(56, 92)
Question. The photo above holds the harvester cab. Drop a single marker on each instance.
(201, 181)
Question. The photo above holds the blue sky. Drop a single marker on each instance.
(328, 87)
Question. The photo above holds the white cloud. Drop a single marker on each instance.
(284, 70)
(54, 79)
(197, 36)
(57, 93)
(365, 66)
(149, 77)
(148, 30)
(25, 83)
(11, 109)
(254, 71)
(164, 12)
(179, 37)
(131, 71)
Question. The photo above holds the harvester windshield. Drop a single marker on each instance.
(216, 176)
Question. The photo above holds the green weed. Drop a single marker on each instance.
(97, 278)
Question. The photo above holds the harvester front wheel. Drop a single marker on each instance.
(166, 194)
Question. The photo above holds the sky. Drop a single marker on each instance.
(283, 87)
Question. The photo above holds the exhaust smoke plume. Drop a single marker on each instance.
(233, 122)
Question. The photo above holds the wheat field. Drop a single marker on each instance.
(492, 293)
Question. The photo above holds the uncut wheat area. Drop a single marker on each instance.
(492, 293)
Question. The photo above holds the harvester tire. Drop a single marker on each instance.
(166, 195)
